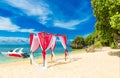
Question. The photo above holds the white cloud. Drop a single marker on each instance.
(13, 40)
(67, 25)
(7, 25)
(30, 7)
(71, 24)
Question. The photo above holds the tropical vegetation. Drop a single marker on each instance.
(107, 27)
(78, 42)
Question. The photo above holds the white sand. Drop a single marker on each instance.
(83, 65)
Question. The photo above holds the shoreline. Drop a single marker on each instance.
(39, 58)
(99, 64)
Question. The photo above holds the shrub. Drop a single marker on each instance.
(78, 42)
(98, 44)
(89, 40)
(112, 45)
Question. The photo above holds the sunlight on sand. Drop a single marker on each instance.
(104, 63)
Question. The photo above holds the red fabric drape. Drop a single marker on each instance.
(45, 41)
(31, 39)
(34, 43)
(64, 41)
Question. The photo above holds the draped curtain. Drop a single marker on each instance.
(52, 46)
(63, 41)
(34, 43)
(53, 43)
(44, 39)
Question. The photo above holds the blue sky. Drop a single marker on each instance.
(19, 18)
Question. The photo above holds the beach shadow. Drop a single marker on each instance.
(63, 62)
(114, 53)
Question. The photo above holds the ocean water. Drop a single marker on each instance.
(5, 59)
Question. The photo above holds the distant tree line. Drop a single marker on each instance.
(107, 27)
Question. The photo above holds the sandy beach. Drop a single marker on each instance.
(103, 63)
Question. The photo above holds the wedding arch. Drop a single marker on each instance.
(46, 41)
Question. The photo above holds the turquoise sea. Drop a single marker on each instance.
(4, 48)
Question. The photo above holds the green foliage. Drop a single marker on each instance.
(115, 22)
(112, 45)
(78, 39)
(98, 44)
(107, 13)
(78, 42)
(89, 39)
